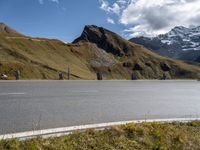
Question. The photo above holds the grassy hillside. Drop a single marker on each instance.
(114, 56)
(144, 136)
(40, 59)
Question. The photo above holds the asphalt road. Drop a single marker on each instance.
(34, 105)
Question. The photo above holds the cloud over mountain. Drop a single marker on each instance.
(152, 17)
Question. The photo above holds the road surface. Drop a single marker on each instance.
(35, 105)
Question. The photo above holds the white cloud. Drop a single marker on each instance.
(111, 21)
(56, 1)
(115, 8)
(42, 1)
(152, 17)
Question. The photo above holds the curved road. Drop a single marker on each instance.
(34, 105)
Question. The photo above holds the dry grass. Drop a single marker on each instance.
(145, 136)
(46, 57)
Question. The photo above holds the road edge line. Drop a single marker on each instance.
(56, 132)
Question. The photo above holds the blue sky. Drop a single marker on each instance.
(65, 19)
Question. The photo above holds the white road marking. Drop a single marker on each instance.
(56, 132)
(4, 94)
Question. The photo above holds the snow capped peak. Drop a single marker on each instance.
(177, 31)
(180, 43)
(188, 38)
(181, 30)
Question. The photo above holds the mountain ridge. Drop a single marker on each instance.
(96, 50)
(179, 43)
(102, 38)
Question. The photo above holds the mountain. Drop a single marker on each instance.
(180, 43)
(105, 39)
(135, 58)
(96, 50)
(4, 29)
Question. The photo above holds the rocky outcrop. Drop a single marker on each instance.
(138, 67)
(104, 39)
(4, 29)
(165, 67)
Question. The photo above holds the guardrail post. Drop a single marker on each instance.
(61, 76)
(164, 76)
(133, 76)
(99, 76)
(68, 74)
(17, 75)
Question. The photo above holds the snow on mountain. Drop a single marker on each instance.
(188, 38)
(180, 43)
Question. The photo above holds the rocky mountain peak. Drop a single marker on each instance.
(104, 39)
(91, 33)
(178, 31)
